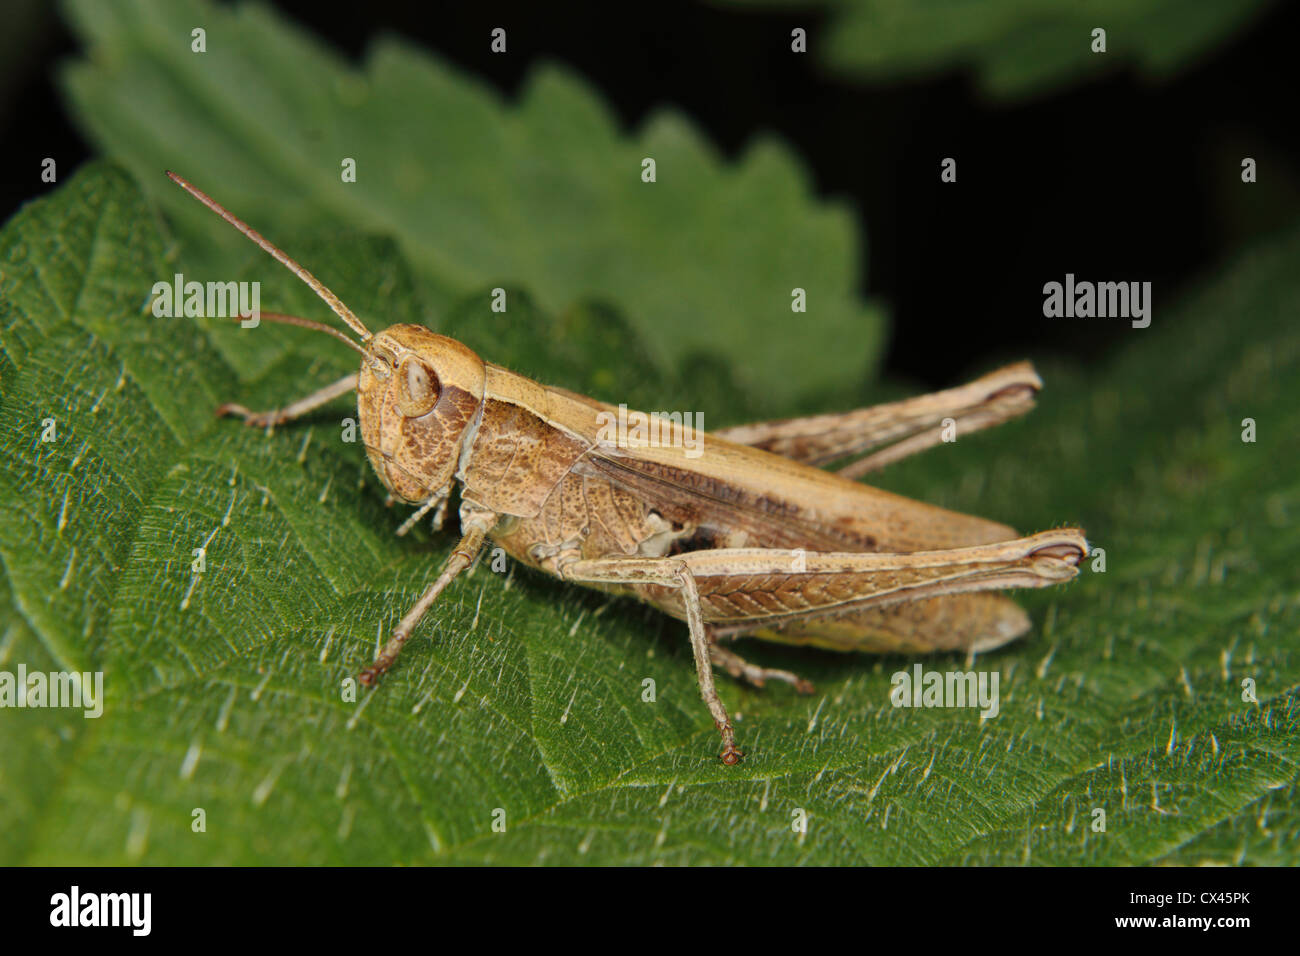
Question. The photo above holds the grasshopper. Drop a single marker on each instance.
(749, 536)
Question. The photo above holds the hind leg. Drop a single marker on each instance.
(903, 428)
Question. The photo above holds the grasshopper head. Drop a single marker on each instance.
(417, 394)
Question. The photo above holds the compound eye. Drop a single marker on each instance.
(417, 387)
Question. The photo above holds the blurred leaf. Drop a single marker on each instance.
(545, 194)
(1018, 47)
(223, 688)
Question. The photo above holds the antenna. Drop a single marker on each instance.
(333, 301)
(304, 323)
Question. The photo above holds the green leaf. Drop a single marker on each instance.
(546, 194)
(1018, 48)
(223, 689)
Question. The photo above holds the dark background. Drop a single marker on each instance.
(1115, 178)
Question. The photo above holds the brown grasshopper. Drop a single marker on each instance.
(748, 537)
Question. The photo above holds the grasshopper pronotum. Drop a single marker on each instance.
(748, 538)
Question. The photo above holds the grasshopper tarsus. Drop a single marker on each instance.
(731, 754)
(369, 677)
(251, 419)
(385, 659)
